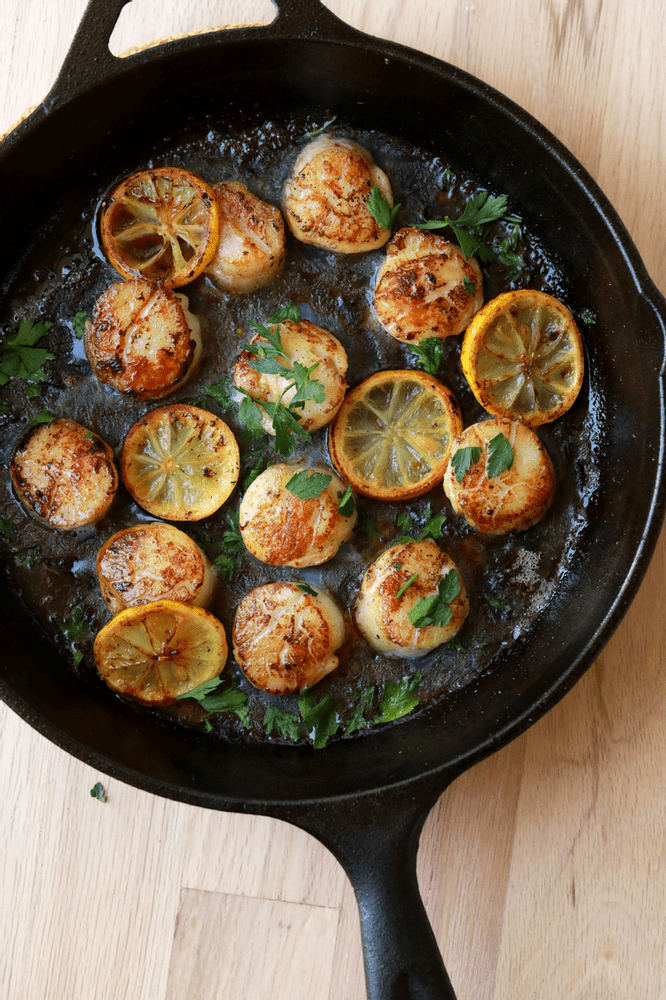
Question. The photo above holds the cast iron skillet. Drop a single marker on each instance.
(365, 799)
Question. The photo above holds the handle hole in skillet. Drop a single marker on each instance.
(145, 23)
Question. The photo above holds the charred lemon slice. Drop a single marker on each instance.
(522, 355)
(157, 652)
(391, 438)
(161, 224)
(180, 463)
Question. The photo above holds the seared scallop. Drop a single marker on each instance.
(326, 198)
(281, 529)
(153, 562)
(515, 498)
(142, 339)
(426, 287)
(285, 638)
(65, 475)
(393, 586)
(307, 344)
(251, 248)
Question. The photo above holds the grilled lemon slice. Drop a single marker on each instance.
(391, 438)
(522, 355)
(158, 652)
(161, 224)
(180, 463)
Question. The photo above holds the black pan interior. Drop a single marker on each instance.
(374, 85)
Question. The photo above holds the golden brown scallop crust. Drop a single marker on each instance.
(284, 639)
(153, 562)
(65, 475)
(420, 290)
(139, 340)
(282, 530)
(251, 248)
(326, 199)
(382, 616)
(308, 344)
(515, 499)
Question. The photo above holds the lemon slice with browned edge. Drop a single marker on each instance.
(522, 355)
(161, 224)
(391, 438)
(155, 653)
(180, 463)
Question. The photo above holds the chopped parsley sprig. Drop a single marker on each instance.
(429, 351)
(19, 358)
(214, 701)
(308, 485)
(435, 610)
(432, 528)
(74, 628)
(380, 209)
(231, 550)
(481, 209)
(500, 457)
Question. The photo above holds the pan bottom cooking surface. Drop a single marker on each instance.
(510, 580)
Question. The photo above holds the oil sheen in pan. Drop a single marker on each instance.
(508, 580)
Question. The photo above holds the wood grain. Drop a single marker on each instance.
(544, 868)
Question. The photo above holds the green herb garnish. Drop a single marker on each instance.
(214, 701)
(8, 529)
(97, 792)
(74, 628)
(367, 525)
(398, 699)
(346, 505)
(308, 485)
(464, 458)
(407, 584)
(43, 417)
(496, 604)
(588, 316)
(321, 720)
(307, 589)
(316, 131)
(500, 455)
(432, 528)
(469, 285)
(363, 697)
(435, 610)
(286, 723)
(481, 209)
(79, 321)
(231, 559)
(219, 391)
(429, 351)
(380, 209)
(19, 358)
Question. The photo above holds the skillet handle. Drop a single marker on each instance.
(375, 840)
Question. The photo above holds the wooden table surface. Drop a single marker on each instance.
(543, 868)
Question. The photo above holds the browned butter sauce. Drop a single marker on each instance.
(54, 572)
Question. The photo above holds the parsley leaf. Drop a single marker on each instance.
(500, 455)
(79, 321)
(232, 559)
(429, 351)
(464, 458)
(346, 507)
(219, 391)
(288, 312)
(480, 210)
(435, 610)
(497, 604)
(97, 792)
(308, 485)
(588, 316)
(367, 525)
(214, 701)
(469, 285)
(307, 589)
(398, 699)
(380, 209)
(364, 695)
(316, 131)
(457, 644)
(43, 417)
(434, 523)
(286, 723)
(8, 529)
(286, 426)
(402, 520)
(322, 720)
(19, 358)
(407, 584)
(74, 628)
